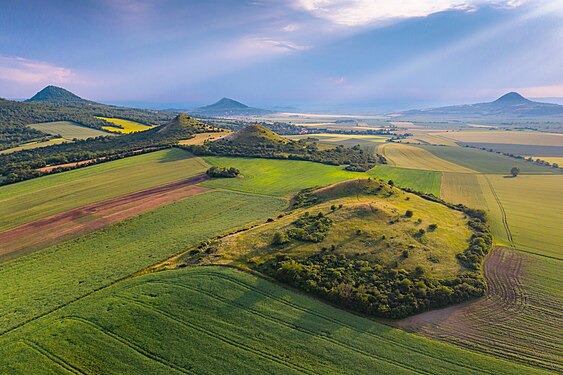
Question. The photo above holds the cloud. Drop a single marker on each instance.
(363, 12)
(270, 45)
(21, 70)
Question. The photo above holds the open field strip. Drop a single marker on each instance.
(531, 204)
(507, 137)
(32, 145)
(55, 229)
(48, 195)
(417, 179)
(200, 138)
(551, 159)
(483, 161)
(407, 156)
(284, 177)
(521, 317)
(128, 125)
(218, 320)
(38, 283)
(69, 130)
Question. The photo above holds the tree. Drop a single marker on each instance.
(515, 171)
(280, 238)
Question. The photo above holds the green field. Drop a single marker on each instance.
(485, 162)
(40, 197)
(32, 145)
(417, 179)
(277, 177)
(213, 320)
(45, 280)
(68, 130)
(531, 205)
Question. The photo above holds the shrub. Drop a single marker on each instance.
(432, 227)
(409, 213)
(280, 238)
(219, 172)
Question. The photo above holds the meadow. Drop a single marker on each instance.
(218, 320)
(32, 145)
(39, 283)
(127, 126)
(68, 130)
(413, 157)
(272, 176)
(483, 161)
(40, 197)
(200, 138)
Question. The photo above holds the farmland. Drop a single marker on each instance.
(482, 161)
(127, 126)
(30, 200)
(68, 130)
(506, 137)
(217, 308)
(407, 156)
(277, 177)
(521, 318)
(38, 283)
(32, 145)
(417, 179)
(200, 138)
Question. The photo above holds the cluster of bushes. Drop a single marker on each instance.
(13, 135)
(310, 228)
(220, 172)
(368, 287)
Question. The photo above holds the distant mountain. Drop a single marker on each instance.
(229, 107)
(57, 95)
(254, 135)
(511, 105)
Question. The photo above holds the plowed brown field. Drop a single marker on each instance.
(48, 231)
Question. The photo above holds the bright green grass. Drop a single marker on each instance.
(32, 145)
(44, 196)
(212, 320)
(40, 282)
(485, 162)
(277, 177)
(417, 179)
(68, 130)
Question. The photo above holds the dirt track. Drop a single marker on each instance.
(51, 230)
(509, 321)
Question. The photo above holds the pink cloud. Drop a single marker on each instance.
(21, 70)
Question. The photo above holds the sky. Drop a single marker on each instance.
(296, 54)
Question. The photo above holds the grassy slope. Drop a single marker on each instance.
(128, 125)
(407, 156)
(37, 283)
(371, 215)
(283, 177)
(417, 179)
(485, 162)
(68, 130)
(33, 199)
(215, 320)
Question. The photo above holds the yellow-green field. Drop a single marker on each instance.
(551, 159)
(68, 130)
(128, 126)
(531, 206)
(406, 156)
(40, 197)
(32, 145)
(199, 138)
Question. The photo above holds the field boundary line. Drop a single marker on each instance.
(502, 211)
(229, 341)
(297, 328)
(53, 357)
(135, 347)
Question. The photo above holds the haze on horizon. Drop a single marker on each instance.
(303, 53)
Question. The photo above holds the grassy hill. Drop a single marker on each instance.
(57, 95)
(367, 246)
(253, 135)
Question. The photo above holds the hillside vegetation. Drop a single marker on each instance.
(367, 246)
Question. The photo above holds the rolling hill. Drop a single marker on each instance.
(58, 95)
(511, 104)
(229, 107)
(254, 135)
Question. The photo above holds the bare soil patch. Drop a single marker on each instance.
(54, 229)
